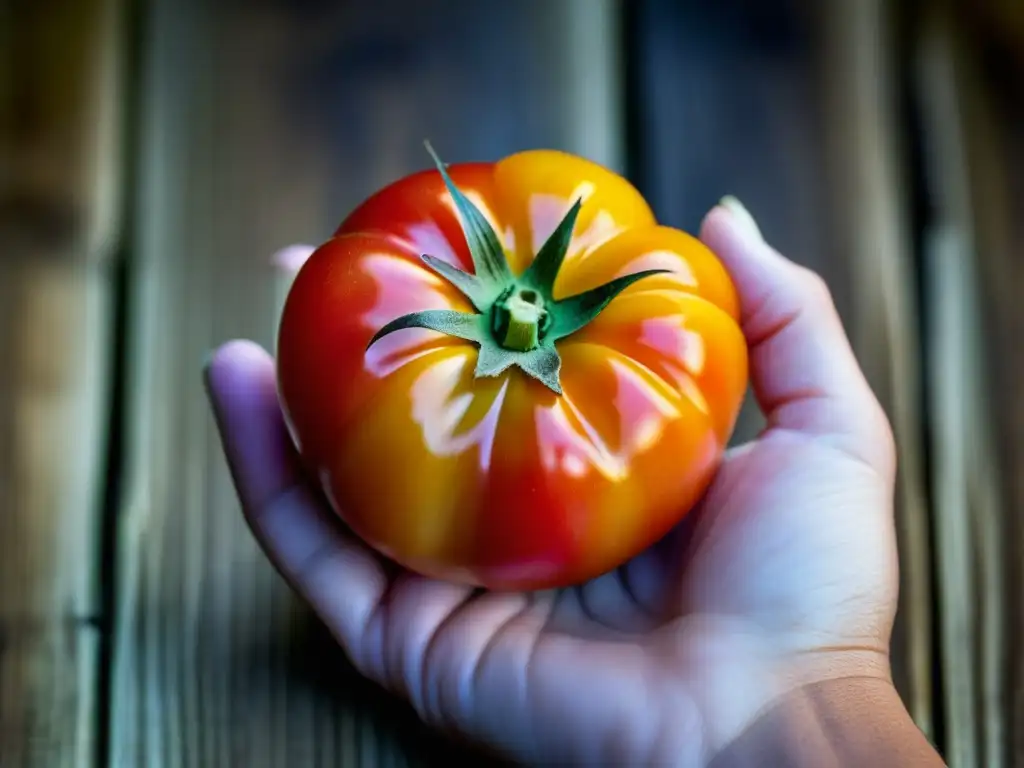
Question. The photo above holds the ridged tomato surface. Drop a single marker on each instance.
(499, 481)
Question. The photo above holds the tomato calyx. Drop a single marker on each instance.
(518, 319)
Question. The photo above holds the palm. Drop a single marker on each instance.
(791, 542)
(784, 575)
(765, 555)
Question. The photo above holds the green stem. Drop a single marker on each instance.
(518, 320)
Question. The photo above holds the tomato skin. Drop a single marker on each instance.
(500, 482)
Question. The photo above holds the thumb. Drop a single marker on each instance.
(803, 370)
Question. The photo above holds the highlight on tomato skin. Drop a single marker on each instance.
(509, 374)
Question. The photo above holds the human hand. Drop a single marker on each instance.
(785, 575)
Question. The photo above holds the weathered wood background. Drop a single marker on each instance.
(155, 153)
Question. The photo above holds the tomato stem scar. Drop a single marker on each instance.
(518, 320)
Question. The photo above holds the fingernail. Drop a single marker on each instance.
(741, 215)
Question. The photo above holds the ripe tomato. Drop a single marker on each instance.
(508, 374)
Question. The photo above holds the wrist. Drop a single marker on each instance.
(844, 721)
(736, 675)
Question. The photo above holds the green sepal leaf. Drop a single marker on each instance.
(542, 363)
(493, 279)
(572, 313)
(479, 292)
(488, 255)
(494, 360)
(541, 274)
(447, 321)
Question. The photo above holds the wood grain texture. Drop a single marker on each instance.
(966, 246)
(264, 124)
(1009, 377)
(1002, 280)
(990, 109)
(60, 119)
(54, 324)
(867, 167)
(59, 177)
(993, 116)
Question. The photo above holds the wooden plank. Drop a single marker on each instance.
(988, 208)
(991, 110)
(867, 167)
(1009, 378)
(1003, 277)
(264, 124)
(54, 322)
(60, 118)
(967, 260)
(59, 105)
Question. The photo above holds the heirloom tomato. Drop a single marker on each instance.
(508, 374)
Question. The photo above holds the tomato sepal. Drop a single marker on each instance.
(544, 269)
(573, 313)
(542, 363)
(481, 293)
(488, 255)
(450, 322)
(519, 320)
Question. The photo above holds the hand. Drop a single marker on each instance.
(785, 575)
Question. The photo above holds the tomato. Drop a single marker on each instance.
(508, 374)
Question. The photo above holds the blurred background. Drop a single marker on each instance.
(154, 154)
